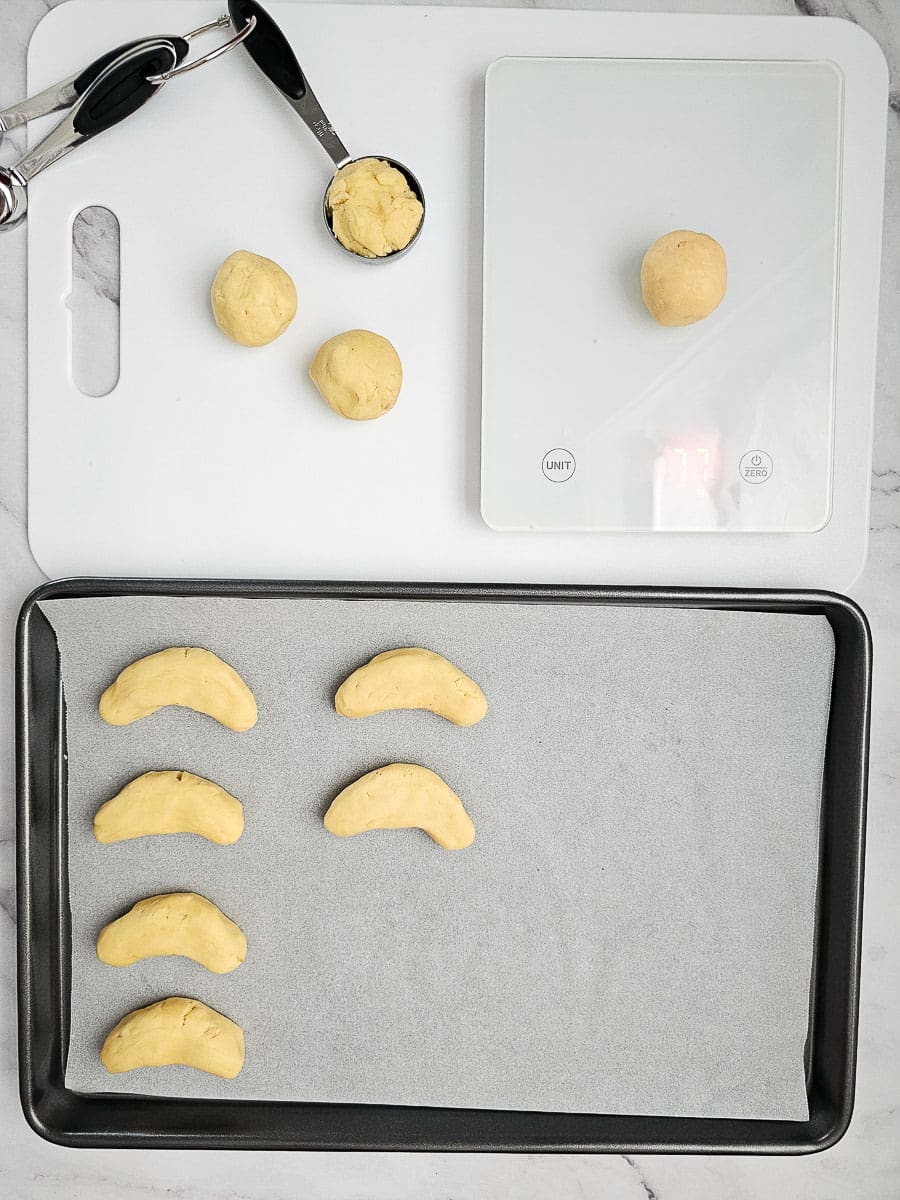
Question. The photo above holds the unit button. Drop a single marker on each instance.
(558, 465)
(756, 466)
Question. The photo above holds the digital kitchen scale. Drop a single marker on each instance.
(597, 418)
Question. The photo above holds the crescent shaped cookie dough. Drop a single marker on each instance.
(411, 678)
(185, 676)
(402, 796)
(177, 923)
(170, 802)
(175, 1032)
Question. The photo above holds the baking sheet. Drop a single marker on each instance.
(631, 932)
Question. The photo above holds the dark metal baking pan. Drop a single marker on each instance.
(77, 1119)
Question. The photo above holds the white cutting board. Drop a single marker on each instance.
(211, 459)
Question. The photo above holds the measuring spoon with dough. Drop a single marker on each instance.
(159, 802)
(411, 677)
(374, 207)
(177, 1031)
(186, 676)
(181, 924)
(402, 796)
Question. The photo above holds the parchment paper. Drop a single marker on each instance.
(631, 932)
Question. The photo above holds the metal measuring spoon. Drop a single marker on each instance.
(271, 51)
(119, 89)
(112, 88)
(65, 93)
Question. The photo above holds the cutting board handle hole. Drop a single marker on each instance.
(94, 301)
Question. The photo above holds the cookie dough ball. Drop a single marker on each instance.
(683, 277)
(358, 373)
(253, 299)
(374, 211)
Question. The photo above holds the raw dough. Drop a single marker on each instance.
(175, 1031)
(374, 211)
(683, 277)
(411, 678)
(179, 923)
(253, 299)
(186, 676)
(170, 802)
(358, 373)
(402, 796)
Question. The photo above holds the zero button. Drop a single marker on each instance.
(756, 466)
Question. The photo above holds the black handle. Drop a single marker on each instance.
(269, 48)
(99, 65)
(122, 90)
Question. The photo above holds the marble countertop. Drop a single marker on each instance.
(865, 1165)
